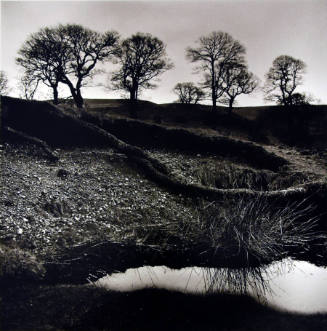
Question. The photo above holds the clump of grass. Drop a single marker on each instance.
(260, 229)
(17, 264)
(228, 176)
(254, 230)
(235, 243)
(259, 234)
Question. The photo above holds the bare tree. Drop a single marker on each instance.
(84, 48)
(236, 80)
(66, 54)
(303, 99)
(42, 56)
(214, 52)
(142, 58)
(283, 78)
(3, 83)
(188, 93)
(28, 86)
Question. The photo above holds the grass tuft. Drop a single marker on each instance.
(260, 234)
(19, 265)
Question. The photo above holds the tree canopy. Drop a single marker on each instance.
(283, 78)
(3, 83)
(213, 54)
(84, 48)
(28, 86)
(66, 54)
(236, 80)
(188, 93)
(142, 58)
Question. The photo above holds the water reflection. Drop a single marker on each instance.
(302, 288)
(294, 285)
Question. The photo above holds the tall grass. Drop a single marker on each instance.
(257, 231)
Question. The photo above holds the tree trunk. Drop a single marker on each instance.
(133, 98)
(133, 91)
(55, 95)
(214, 102)
(79, 102)
(230, 106)
(79, 99)
(76, 94)
(213, 87)
(132, 95)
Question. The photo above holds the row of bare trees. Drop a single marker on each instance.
(221, 59)
(69, 55)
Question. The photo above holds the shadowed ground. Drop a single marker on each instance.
(87, 308)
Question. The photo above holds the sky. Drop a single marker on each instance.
(267, 29)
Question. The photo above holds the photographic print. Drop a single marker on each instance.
(163, 165)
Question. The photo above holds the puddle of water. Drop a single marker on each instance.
(187, 280)
(295, 285)
(301, 288)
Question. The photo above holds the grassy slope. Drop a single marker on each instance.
(169, 110)
(303, 127)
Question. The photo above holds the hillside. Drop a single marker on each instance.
(304, 126)
(102, 192)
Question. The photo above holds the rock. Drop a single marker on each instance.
(8, 203)
(30, 219)
(57, 208)
(62, 173)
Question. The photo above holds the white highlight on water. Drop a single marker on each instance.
(296, 286)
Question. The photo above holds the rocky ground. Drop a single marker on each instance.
(87, 195)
